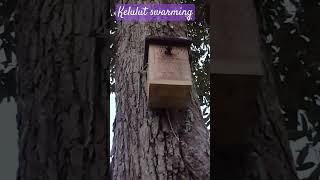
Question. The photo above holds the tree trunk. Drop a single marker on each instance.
(61, 96)
(145, 146)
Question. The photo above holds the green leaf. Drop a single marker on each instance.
(303, 154)
(315, 174)
(305, 166)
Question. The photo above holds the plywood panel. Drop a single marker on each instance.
(168, 67)
(168, 96)
(236, 70)
(235, 110)
(169, 77)
(235, 34)
(236, 67)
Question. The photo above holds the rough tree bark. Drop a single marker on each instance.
(267, 156)
(60, 95)
(145, 147)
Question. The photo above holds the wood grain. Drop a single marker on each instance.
(169, 77)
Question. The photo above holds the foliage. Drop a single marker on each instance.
(112, 51)
(198, 31)
(111, 35)
(291, 39)
(7, 49)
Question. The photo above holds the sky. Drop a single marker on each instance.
(8, 139)
(112, 116)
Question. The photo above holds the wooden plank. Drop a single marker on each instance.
(235, 110)
(168, 96)
(168, 67)
(235, 35)
(171, 82)
(169, 77)
(236, 67)
(236, 70)
(156, 40)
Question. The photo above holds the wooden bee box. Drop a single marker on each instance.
(234, 86)
(169, 78)
(236, 71)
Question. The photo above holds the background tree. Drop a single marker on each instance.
(290, 30)
(145, 145)
(61, 90)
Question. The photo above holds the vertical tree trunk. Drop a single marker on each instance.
(60, 95)
(145, 145)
